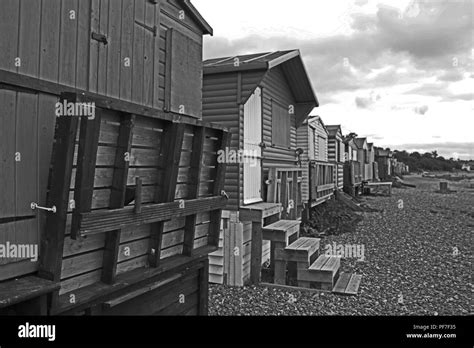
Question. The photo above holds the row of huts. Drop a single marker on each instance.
(124, 208)
(298, 161)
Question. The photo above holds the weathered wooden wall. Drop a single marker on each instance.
(51, 40)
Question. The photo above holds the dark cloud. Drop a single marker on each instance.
(424, 42)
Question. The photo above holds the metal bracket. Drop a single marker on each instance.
(153, 29)
(35, 206)
(224, 194)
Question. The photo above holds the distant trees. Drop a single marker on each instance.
(429, 161)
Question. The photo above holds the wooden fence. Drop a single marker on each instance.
(322, 182)
(285, 187)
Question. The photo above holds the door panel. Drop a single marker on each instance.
(252, 156)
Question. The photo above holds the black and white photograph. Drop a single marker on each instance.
(241, 163)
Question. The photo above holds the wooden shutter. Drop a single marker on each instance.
(183, 74)
(281, 123)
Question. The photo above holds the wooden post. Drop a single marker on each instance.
(117, 196)
(215, 223)
(204, 288)
(138, 195)
(443, 187)
(256, 258)
(52, 241)
(170, 156)
(194, 179)
(86, 160)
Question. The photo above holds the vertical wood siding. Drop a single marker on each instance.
(53, 40)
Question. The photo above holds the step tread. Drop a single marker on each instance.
(304, 244)
(347, 284)
(282, 225)
(326, 264)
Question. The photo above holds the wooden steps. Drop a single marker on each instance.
(281, 231)
(323, 273)
(281, 234)
(347, 284)
(301, 251)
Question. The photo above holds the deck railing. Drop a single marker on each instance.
(284, 186)
(322, 181)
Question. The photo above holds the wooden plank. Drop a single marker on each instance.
(204, 288)
(83, 19)
(68, 43)
(193, 189)
(9, 17)
(353, 286)
(52, 242)
(29, 31)
(7, 155)
(23, 289)
(156, 58)
(103, 49)
(129, 281)
(342, 282)
(219, 184)
(126, 50)
(138, 54)
(94, 46)
(117, 198)
(320, 262)
(86, 162)
(168, 68)
(36, 85)
(114, 61)
(149, 45)
(170, 155)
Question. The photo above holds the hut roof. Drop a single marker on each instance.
(290, 61)
(187, 5)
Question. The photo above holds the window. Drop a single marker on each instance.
(281, 126)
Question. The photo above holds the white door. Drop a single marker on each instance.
(252, 156)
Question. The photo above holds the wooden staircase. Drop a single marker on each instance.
(314, 270)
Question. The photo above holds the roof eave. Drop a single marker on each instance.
(207, 29)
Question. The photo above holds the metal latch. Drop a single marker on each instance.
(224, 194)
(100, 38)
(35, 206)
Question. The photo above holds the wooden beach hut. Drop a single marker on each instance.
(383, 158)
(353, 175)
(336, 153)
(363, 157)
(319, 175)
(124, 204)
(264, 99)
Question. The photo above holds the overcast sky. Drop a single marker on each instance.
(400, 72)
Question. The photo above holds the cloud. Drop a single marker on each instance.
(422, 42)
(421, 110)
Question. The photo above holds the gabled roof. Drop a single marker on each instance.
(187, 5)
(360, 142)
(312, 120)
(333, 130)
(371, 146)
(290, 62)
